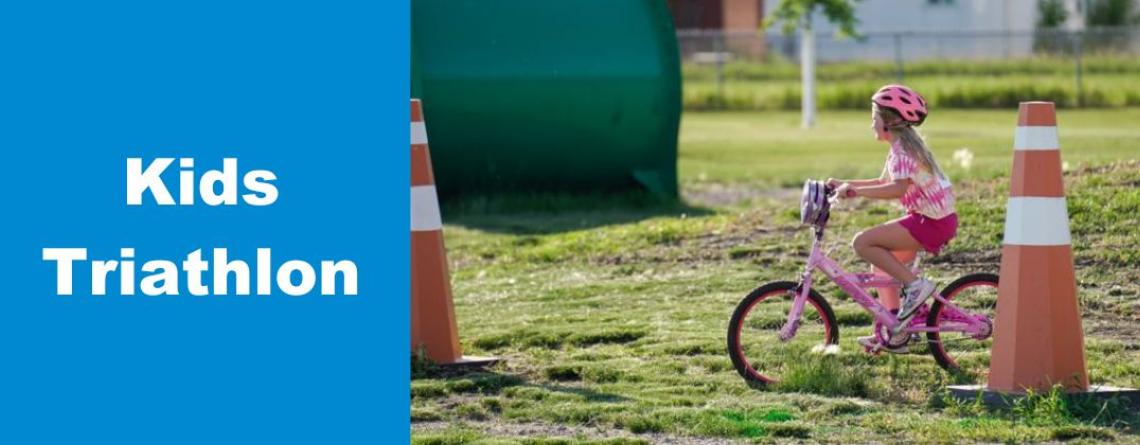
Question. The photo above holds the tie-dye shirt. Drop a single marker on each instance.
(929, 194)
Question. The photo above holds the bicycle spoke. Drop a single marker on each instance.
(960, 352)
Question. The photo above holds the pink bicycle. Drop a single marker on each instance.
(779, 322)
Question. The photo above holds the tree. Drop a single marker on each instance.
(798, 13)
(1111, 14)
(1051, 14)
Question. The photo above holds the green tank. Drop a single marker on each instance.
(524, 96)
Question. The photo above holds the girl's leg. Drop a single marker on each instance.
(875, 245)
(889, 296)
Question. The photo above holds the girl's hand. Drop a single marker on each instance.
(833, 183)
(843, 190)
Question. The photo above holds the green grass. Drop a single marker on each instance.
(611, 317)
(1097, 91)
(769, 148)
(872, 70)
(1106, 82)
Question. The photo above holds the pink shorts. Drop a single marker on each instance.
(932, 233)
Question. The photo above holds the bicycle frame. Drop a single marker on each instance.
(954, 318)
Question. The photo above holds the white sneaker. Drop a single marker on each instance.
(914, 295)
(870, 342)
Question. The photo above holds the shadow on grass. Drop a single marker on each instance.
(586, 393)
(460, 380)
(543, 213)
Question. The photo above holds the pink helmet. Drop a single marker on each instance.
(902, 100)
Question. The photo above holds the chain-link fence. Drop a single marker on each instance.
(702, 45)
(1081, 68)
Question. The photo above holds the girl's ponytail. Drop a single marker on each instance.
(908, 138)
(915, 146)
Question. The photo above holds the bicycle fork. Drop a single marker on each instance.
(793, 322)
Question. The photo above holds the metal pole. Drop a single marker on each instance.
(807, 73)
(718, 50)
(898, 58)
(1008, 40)
(1077, 49)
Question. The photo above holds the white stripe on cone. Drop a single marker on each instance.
(1036, 138)
(419, 133)
(1034, 221)
(425, 209)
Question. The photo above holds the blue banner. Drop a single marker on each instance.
(275, 135)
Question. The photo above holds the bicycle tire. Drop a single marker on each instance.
(744, 308)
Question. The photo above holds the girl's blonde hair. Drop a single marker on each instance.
(908, 138)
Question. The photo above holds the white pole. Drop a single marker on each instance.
(807, 71)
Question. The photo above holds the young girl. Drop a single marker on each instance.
(912, 176)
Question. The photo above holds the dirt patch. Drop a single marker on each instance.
(734, 243)
(1103, 325)
(982, 260)
(728, 195)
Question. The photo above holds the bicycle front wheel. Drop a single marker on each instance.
(963, 354)
(754, 342)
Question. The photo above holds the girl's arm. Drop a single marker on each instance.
(887, 190)
(864, 182)
(832, 182)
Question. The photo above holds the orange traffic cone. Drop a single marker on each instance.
(1038, 341)
(434, 330)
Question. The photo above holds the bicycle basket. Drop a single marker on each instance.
(814, 206)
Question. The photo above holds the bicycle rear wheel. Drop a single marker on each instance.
(754, 344)
(963, 354)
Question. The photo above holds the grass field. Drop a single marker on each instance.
(768, 148)
(611, 312)
(942, 92)
(783, 69)
(1106, 82)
